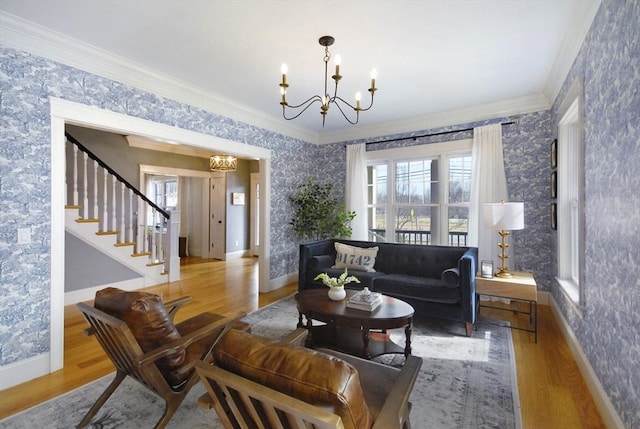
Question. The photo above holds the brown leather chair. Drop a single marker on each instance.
(259, 382)
(137, 332)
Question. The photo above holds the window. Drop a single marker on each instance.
(420, 195)
(570, 195)
(164, 193)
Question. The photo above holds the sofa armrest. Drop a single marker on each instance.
(467, 267)
(307, 252)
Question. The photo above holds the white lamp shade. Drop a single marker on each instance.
(504, 216)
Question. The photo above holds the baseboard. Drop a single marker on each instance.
(282, 281)
(607, 411)
(24, 370)
(238, 254)
(88, 294)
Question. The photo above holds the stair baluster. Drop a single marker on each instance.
(96, 212)
(105, 201)
(85, 195)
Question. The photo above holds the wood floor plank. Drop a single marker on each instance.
(551, 389)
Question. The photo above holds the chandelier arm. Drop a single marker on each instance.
(344, 114)
(309, 100)
(308, 103)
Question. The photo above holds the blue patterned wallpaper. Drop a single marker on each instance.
(26, 83)
(607, 326)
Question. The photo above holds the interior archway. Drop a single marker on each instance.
(65, 112)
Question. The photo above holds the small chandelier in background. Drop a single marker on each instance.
(326, 100)
(223, 163)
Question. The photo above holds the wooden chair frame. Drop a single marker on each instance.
(240, 402)
(123, 349)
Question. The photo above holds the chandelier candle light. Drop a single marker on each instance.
(326, 100)
(504, 217)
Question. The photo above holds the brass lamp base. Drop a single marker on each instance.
(503, 271)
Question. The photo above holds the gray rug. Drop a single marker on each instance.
(464, 383)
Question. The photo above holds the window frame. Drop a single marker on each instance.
(442, 152)
(571, 180)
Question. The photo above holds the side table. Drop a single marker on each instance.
(521, 286)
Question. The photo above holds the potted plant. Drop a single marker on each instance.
(336, 285)
(318, 214)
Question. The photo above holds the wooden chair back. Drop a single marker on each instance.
(240, 402)
(122, 348)
(120, 345)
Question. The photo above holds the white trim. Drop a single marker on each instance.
(24, 370)
(27, 36)
(569, 50)
(607, 411)
(87, 294)
(238, 254)
(63, 112)
(500, 109)
(57, 251)
(287, 279)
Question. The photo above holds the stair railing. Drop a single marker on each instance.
(101, 195)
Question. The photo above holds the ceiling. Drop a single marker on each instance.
(438, 62)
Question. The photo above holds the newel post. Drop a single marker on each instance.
(172, 260)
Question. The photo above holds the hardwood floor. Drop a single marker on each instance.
(552, 391)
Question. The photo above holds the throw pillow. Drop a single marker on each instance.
(356, 258)
(450, 277)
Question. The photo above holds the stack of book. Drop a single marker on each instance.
(365, 300)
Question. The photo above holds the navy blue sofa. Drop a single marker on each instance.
(437, 281)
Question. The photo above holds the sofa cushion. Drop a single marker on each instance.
(420, 288)
(450, 277)
(313, 377)
(149, 322)
(355, 258)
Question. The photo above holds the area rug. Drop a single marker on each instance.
(464, 382)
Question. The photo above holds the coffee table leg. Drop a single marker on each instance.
(300, 324)
(407, 334)
(365, 341)
(309, 341)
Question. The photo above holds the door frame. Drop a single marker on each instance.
(67, 112)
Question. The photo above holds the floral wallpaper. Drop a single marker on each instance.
(26, 83)
(607, 324)
(609, 62)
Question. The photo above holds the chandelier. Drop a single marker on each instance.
(223, 163)
(326, 99)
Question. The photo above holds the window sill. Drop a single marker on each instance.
(571, 291)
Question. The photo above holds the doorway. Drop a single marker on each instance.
(67, 112)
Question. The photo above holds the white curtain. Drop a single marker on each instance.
(488, 185)
(356, 192)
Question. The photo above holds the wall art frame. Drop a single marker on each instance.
(553, 153)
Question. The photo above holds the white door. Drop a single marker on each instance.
(254, 214)
(217, 216)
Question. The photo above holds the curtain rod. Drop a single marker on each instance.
(442, 133)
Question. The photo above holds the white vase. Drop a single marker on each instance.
(337, 293)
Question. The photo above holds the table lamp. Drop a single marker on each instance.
(504, 217)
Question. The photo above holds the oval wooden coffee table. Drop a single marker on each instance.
(357, 332)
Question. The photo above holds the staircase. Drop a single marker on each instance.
(108, 213)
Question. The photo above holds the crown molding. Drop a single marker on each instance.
(500, 109)
(569, 51)
(27, 36)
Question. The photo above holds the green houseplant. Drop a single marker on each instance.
(318, 214)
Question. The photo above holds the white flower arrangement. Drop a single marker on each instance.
(344, 279)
